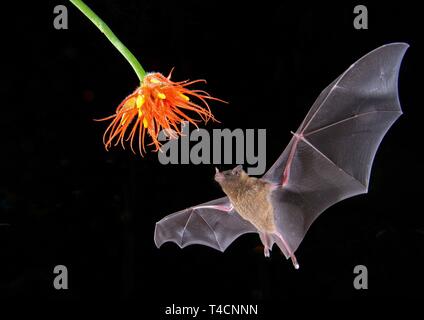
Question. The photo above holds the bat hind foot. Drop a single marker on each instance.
(284, 247)
(266, 252)
(294, 261)
(266, 241)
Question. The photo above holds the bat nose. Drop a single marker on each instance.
(218, 175)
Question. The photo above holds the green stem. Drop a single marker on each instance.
(112, 38)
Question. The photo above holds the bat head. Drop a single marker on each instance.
(228, 177)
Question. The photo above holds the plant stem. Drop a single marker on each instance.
(99, 23)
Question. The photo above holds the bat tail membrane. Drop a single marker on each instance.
(330, 156)
(285, 248)
(269, 239)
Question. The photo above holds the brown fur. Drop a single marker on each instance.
(250, 197)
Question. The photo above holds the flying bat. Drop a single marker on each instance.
(328, 159)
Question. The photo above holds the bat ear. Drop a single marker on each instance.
(237, 169)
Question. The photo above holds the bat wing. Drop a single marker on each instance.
(211, 224)
(329, 158)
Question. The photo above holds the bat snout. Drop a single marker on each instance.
(219, 176)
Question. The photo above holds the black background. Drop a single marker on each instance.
(70, 202)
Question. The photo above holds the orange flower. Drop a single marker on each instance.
(158, 104)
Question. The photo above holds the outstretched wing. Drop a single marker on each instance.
(330, 156)
(211, 224)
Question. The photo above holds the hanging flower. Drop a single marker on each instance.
(158, 104)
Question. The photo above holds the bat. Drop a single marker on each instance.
(327, 160)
